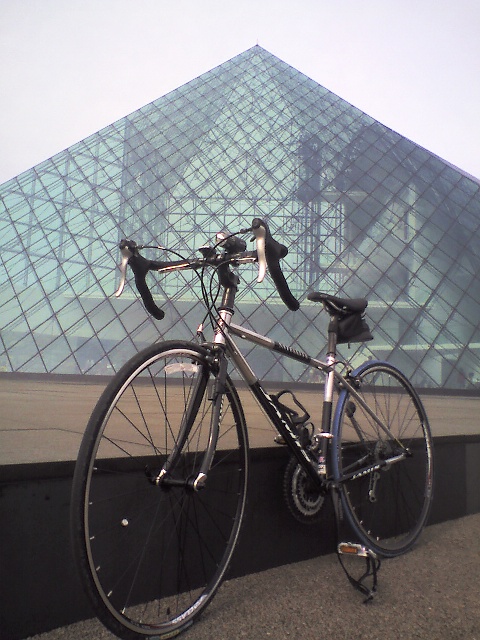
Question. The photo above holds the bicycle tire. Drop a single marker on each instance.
(387, 507)
(150, 557)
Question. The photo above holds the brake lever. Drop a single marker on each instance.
(260, 233)
(126, 255)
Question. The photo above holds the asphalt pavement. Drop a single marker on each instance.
(431, 593)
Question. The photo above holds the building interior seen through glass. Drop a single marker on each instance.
(363, 211)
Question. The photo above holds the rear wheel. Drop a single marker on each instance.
(385, 480)
(151, 555)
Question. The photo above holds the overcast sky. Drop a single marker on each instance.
(70, 67)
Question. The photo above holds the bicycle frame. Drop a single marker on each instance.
(315, 466)
(310, 463)
(313, 460)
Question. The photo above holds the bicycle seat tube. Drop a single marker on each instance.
(321, 439)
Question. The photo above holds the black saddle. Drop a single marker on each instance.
(339, 306)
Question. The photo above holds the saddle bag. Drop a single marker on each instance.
(353, 328)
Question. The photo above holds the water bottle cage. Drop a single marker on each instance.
(297, 417)
(293, 416)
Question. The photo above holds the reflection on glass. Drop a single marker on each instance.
(364, 212)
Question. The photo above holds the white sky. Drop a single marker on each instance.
(70, 67)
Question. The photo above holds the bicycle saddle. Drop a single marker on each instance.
(338, 305)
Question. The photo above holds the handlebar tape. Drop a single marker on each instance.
(140, 267)
(274, 252)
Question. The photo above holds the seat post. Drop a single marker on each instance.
(332, 336)
(329, 376)
(322, 437)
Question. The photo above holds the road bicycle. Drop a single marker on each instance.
(160, 483)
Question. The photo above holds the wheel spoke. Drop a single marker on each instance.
(386, 494)
(151, 556)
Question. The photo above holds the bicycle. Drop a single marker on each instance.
(160, 483)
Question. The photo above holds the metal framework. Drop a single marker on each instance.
(364, 211)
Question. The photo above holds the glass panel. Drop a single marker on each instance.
(363, 211)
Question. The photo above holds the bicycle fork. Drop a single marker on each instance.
(218, 366)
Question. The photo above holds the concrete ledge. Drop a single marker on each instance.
(39, 589)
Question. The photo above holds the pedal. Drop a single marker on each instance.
(372, 561)
(278, 439)
(354, 549)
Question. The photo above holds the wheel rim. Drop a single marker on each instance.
(389, 505)
(156, 555)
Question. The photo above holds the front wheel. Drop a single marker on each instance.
(150, 554)
(385, 477)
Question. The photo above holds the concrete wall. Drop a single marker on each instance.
(39, 589)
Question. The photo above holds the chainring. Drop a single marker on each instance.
(304, 500)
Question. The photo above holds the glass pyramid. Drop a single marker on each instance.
(364, 212)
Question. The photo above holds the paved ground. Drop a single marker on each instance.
(432, 593)
(43, 420)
